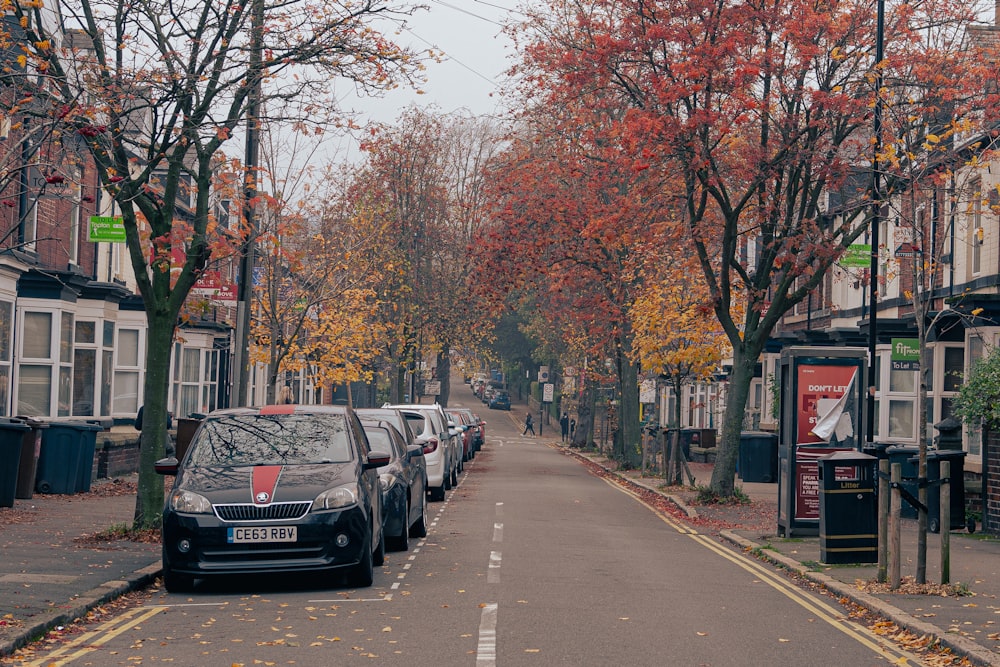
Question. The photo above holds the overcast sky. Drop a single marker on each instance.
(468, 32)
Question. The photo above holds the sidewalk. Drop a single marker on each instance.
(48, 576)
(968, 625)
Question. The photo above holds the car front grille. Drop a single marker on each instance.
(272, 512)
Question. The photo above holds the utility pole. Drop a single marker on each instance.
(876, 220)
(244, 297)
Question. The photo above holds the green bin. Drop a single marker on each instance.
(11, 433)
(66, 462)
(758, 460)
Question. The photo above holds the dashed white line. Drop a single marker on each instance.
(486, 652)
(493, 576)
(498, 532)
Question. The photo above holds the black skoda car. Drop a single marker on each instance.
(281, 488)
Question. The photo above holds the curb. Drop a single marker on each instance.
(976, 654)
(86, 602)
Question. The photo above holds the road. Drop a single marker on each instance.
(531, 560)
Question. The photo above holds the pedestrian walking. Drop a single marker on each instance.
(529, 425)
(286, 396)
(564, 425)
(572, 430)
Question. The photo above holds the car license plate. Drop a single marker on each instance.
(261, 534)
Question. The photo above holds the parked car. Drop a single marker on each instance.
(464, 424)
(500, 401)
(478, 428)
(282, 488)
(403, 482)
(440, 451)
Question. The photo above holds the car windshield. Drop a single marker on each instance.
(252, 440)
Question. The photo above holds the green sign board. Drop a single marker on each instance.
(905, 354)
(857, 256)
(106, 229)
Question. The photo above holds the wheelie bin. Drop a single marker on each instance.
(31, 448)
(66, 462)
(11, 434)
(758, 460)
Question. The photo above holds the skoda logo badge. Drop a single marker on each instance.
(263, 497)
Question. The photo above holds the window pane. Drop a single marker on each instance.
(4, 384)
(66, 339)
(65, 390)
(84, 378)
(191, 364)
(900, 419)
(954, 365)
(34, 391)
(106, 367)
(86, 332)
(126, 393)
(188, 400)
(902, 381)
(128, 348)
(109, 334)
(37, 335)
(6, 329)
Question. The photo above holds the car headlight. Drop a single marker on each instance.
(188, 502)
(337, 498)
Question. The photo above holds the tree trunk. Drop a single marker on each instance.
(444, 375)
(629, 429)
(728, 447)
(153, 438)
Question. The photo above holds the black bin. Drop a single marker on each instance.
(11, 434)
(905, 456)
(758, 460)
(186, 426)
(957, 460)
(848, 510)
(31, 448)
(66, 462)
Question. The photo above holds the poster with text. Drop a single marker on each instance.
(827, 404)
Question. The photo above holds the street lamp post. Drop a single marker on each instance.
(876, 219)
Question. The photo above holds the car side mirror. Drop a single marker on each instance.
(167, 466)
(377, 460)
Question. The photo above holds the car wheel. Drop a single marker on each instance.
(378, 557)
(447, 482)
(437, 492)
(362, 575)
(177, 583)
(400, 542)
(454, 477)
(419, 527)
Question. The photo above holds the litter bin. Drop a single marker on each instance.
(957, 460)
(905, 456)
(11, 433)
(848, 511)
(66, 462)
(758, 460)
(31, 447)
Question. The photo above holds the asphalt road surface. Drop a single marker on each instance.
(531, 560)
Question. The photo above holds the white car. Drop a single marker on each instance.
(430, 423)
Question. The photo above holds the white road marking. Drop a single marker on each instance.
(493, 576)
(486, 652)
(498, 532)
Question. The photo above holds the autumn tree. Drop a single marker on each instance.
(676, 338)
(761, 111)
(155, 92)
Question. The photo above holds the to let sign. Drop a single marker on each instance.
(905, 354)
(106, 229)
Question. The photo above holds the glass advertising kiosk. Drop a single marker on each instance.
(822, 403)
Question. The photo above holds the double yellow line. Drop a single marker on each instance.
(90, 641)
(831, 615)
